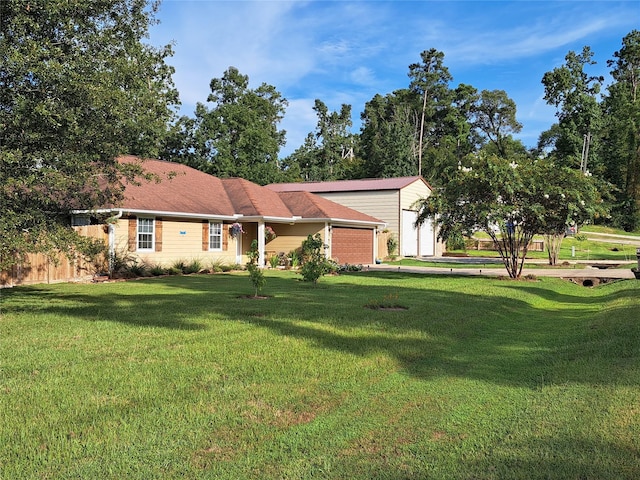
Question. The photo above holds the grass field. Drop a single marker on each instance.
(603, 229)
(184, 377)
(573, 249)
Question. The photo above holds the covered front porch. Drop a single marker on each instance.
(273, 237)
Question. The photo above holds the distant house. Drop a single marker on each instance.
(389, 199)
(184, 214)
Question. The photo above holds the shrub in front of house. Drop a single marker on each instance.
(156, 270)
(194, 266)
(256, 275)
(314, 263)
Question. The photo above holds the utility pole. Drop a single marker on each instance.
(585, 152)
(424, 107)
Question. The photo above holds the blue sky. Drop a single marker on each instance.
(347, 51)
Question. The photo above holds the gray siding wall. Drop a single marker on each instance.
(411, 193)
(384, 205)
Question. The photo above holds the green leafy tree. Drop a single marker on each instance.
(575, 95)
(430, 81)
(510, 201)
(387, 138)
(329, 152)
(238, 135)
(495, 119)
(391, 126)
(78, 87)
(570, 198)
(454, 136)
(303, 162)
(621, 140)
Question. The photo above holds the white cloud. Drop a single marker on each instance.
(363, 76)
(346, 52)
(211, 36)
(523, 38)
(299, 121)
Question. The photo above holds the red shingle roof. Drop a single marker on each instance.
(180, 189)
(250, 199)
(367, 184)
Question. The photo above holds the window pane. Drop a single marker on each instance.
(145, 241)
(145, 225)
(215, 236)
(145, 233)
(79, 221)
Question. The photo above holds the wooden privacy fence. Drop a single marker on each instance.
(39, 268)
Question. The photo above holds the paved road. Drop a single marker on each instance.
(612, 238)
(498, 270)
(494, 266)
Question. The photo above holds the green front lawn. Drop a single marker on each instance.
(183, 377)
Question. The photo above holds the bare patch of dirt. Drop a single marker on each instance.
(254, 297)
(397, 308)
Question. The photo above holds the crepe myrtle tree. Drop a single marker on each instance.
(570, 197)
(511, 201)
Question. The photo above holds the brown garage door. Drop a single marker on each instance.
(352, 245)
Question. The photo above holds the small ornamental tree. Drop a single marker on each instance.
(314, 262)
(255, 273)
(570, 198)
(511, 202)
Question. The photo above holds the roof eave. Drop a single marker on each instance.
(158, 213)
(236, 217)
(266, 218)
(344, 221)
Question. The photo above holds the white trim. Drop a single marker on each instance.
(328, 239)
(261, 244)
(112, 246)
(158, 213)
(153, 234)
(210, 248)
(238, 241)
(342, 221)
(375, 245)
(112, 239)
(235, 217)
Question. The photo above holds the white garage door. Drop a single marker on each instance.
(409, 234)
(427, 239)
(415, 241)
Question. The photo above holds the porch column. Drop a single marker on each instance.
(239, 242)
(112, 246)
(327, 240)
(261, 243)
(375, 245)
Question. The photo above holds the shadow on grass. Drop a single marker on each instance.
(588, 298)
(573, 457)
(498, 332)
(131, 307)
(453, 327)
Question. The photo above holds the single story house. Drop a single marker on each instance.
(186, 214)
(392, 200)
